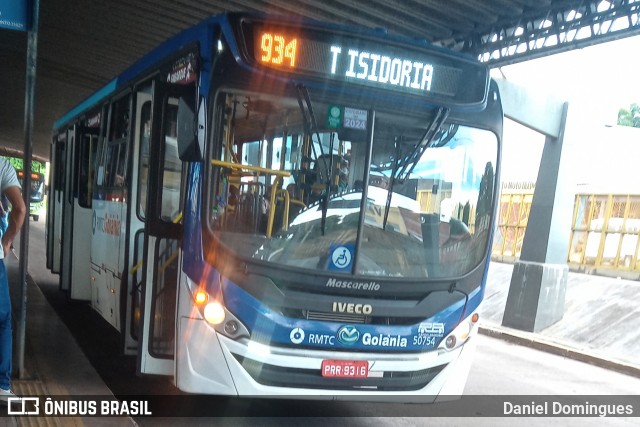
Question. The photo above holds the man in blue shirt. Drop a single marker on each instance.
(9, 187)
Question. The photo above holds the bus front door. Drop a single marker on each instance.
(75, 276)
(162, 236)
(133, 276)
(56, 200)
(67, 213)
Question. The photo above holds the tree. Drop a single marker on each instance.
(630, 117)
(485, 195)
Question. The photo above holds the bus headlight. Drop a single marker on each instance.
(217, 315)
(461, 333)
(214, 313)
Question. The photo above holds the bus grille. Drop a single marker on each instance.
(347, 317)
(278, 376)
(334, 317)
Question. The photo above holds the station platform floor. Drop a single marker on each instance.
(54, 364)
(599, 327)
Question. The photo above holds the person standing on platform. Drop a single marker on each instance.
(9, 187)
(4, 214)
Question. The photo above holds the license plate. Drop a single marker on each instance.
(345, 368)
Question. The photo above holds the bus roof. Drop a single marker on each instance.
(202, 33)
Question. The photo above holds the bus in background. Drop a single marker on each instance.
(272, 206)
(37, 202)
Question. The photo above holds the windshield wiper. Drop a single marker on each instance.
(310, 124)
(434, 132)
(392, 181)
(311, 128)
(434, 136)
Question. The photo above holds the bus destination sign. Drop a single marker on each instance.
(361, 61)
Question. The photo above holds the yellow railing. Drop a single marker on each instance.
(257, 169)
(136, 267)
(274, 188)
(605, 232)
(513, 215)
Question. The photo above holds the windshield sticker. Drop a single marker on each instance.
(334, 116)
(355, 119)
(341, 257)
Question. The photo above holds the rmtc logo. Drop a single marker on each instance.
(348, 335)
(296, 336)
(343, 307)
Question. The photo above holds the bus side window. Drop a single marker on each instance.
(172, 165)
(85, 169)
(115, 159)
(143, 169)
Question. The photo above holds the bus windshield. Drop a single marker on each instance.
(307, 185)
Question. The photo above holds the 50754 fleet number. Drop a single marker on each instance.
(424, 340)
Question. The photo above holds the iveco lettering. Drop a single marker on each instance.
(271, 206)
(342, 307)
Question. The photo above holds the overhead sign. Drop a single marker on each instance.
(13, 15)
(382, 64)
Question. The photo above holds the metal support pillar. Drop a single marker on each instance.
(538, 284)
(29, 111)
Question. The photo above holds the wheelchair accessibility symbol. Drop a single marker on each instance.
(341, 257)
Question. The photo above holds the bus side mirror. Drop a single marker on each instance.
(188, 147)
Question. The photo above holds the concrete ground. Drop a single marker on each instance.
(600, 319)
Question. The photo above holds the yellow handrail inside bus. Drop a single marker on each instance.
(169, 261)
(136, 267)
(272, 210)
(257, 169)
(272, 197)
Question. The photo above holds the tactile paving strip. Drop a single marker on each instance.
(37, 388)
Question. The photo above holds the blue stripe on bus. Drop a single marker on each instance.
(271, 327)
(87, 103)
(169, 47)
(200, 34)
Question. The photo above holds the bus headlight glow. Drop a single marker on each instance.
(214, 313)
(462, 331)
(210, 305)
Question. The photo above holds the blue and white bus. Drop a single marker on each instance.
(272, 206)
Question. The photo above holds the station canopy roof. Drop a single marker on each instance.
(84, 44)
